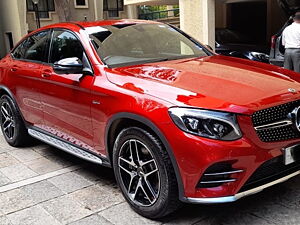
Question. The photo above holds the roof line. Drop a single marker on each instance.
(77, 24)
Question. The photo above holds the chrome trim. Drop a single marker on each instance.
(65, 146)
(281, 123)
(238, 196)
(96, 102)
(218, 181)
(223, 173)
(295, 117)
(210, 200)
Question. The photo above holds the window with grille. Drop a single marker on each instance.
(113, 7)
(81, 4)
(44, 7)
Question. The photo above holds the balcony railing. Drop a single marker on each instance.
(156, 15)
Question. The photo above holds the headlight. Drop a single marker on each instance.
(206, 123)
(260, 56)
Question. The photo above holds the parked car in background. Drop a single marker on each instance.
(235, 44)
(277, 49)
(176, 122)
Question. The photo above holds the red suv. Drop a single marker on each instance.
(175, 121)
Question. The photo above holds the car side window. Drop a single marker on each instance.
(65, 45)
(33, 48)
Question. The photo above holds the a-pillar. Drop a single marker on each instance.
(197, 18)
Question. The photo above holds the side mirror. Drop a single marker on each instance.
(68, 66)
(87, 72)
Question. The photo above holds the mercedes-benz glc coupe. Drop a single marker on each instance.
(176, 122)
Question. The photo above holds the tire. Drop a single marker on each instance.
(162, 200)
(12, 124)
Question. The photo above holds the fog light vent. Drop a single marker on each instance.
(217, 175)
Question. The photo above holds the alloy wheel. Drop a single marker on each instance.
(7, 120)
(139, 173)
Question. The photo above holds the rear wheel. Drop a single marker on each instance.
(12, 124)
(145, 174)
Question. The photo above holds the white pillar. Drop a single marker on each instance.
(98, 5)
(197, 18)
(132, 11)
(2, 49)
(13, 19)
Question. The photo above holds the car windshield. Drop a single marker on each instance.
(135, 44)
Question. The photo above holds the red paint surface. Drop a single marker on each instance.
(62, 105)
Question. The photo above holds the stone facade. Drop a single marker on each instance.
(17, 21)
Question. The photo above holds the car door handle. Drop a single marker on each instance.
(14, 69)
(45, 75)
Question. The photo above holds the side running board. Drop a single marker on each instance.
(69, 148)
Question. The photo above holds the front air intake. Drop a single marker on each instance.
(217, 175)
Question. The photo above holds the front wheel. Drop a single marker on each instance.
(12, 124)
(145, 174)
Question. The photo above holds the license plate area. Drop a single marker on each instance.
(291, 154)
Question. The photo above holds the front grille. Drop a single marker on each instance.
(273, 115)
(278, 134)
(270, 171)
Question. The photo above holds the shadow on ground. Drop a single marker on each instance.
(276, 205)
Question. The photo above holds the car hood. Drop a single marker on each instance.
(289, 6)
(215, 82)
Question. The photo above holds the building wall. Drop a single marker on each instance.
(78, 14)
(151, 2)
(2, 47)
(12, 21)
(92, 13)
(197, 18)
(14, 18)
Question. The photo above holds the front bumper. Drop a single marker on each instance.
(195, 155)
(238, 196)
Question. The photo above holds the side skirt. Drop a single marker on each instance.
(67, 147)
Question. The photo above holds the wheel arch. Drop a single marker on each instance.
(5, 90)
(123, 120)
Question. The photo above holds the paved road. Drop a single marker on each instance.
(41, 185)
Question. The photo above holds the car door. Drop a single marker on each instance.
(66, 97)
(25, 75)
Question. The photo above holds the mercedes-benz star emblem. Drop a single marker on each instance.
(292, 90)
(296, 117)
